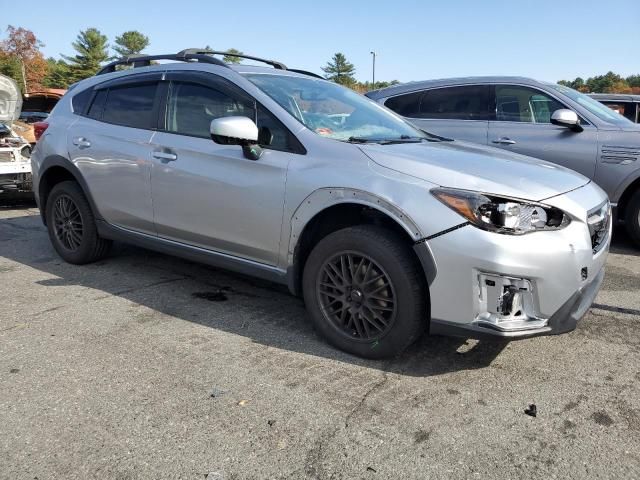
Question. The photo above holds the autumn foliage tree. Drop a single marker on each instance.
(607, 83)
(21, 59)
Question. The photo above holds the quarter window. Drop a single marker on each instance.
(97, 106)
(470, 102)
(131, 106)
(524, 104)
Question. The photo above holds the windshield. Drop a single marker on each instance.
(598, 109)
(334, 111)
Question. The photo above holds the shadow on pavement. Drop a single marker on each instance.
(260, 311)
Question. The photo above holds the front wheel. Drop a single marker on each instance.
(632, 218)
(71, 225)
(365, 291)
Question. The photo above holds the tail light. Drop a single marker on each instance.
(39, 128)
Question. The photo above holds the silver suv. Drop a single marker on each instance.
(384, 230)
(540, 119)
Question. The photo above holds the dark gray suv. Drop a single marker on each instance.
(539, 119)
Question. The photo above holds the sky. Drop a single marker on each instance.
(414, 39)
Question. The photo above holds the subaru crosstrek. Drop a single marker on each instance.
(385, 230)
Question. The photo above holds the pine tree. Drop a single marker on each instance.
(131, 43)
(232, 59)
(92, 48)
(339, 70)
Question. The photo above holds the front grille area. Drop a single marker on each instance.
(599, 220)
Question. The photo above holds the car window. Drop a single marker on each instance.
(97, 105)
(456, 103)
(131, 105)
(523, 104)
(592, 106)
(469, 102)
(80, 101)
(333, 111)
(627, 109)
(407, 105)
(192, 106)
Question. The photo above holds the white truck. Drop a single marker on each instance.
(15, 151)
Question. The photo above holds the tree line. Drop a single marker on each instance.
(607, 83)
(22, 59)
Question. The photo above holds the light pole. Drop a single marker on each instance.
(373, 83)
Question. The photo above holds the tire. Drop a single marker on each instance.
(632, 218)
(67, 209)
(384, 310)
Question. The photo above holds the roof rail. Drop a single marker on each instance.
(305, 72)
(197, 51)
(145, 60)
(193, 54)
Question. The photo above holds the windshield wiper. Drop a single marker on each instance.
(436, 138)
(402, 139)
(386, 141)
(362, 140)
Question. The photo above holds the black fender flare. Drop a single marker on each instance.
(53, 161)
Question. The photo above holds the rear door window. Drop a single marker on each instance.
(466, 102)
(131, 105)
(469, 102)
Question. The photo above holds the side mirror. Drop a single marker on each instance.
(237, 131)
(566, 118)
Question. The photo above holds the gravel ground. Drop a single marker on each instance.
(147, 366)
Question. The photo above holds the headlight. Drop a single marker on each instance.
(502, 215)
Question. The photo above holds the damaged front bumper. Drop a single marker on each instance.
(493, 285)
(564, 320)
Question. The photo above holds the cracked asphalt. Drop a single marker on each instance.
(147, 366)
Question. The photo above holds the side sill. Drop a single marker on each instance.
(195, 254)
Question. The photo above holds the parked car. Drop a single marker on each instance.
(384, 230)
(36, 107)
(626, 105)
(15, 165)
(543, 120)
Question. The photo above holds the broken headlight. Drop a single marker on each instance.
(502, 215)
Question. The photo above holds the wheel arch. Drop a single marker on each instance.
(627, 193)
(330, 209)
(56, 169)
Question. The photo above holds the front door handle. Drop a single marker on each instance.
(165, 156)
(504, 141)
(81, 142)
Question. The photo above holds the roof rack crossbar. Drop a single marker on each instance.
(192, 54)
(145, 60)
(198, 51)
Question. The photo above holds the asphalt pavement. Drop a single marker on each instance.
(147, 366)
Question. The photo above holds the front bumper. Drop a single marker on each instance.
(494, 285)
(564, 320)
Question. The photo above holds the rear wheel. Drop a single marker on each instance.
(71, 225)
(632, 218)
(365, 291)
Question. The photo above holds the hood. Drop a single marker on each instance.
(10, 100)
(475, 167)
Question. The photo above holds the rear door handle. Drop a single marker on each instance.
(164, 156)
(504, 141)
(81, 142)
